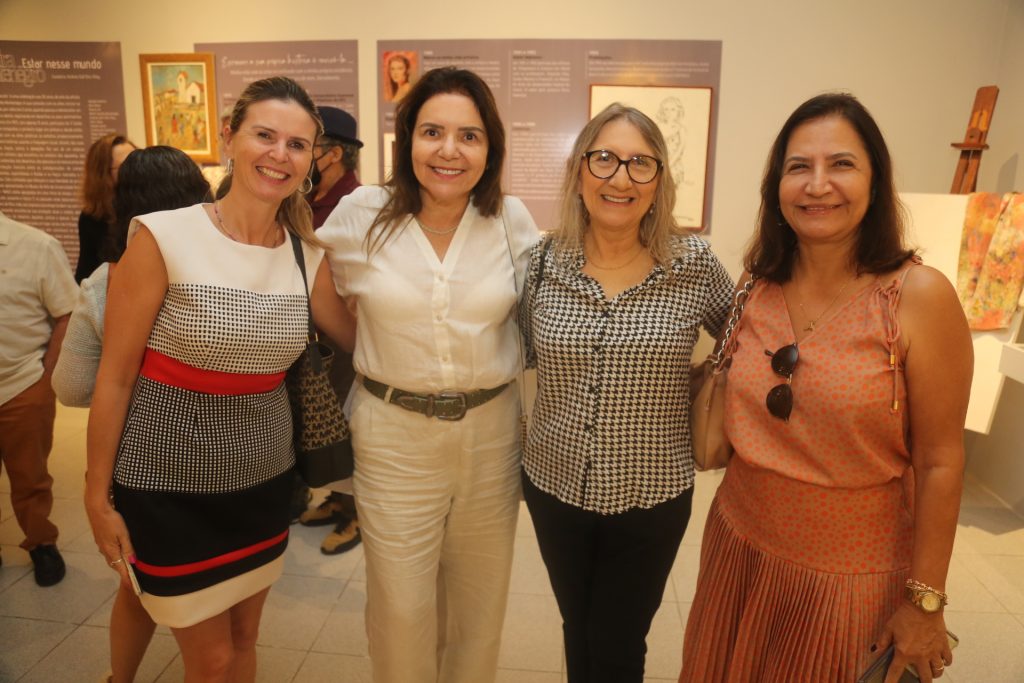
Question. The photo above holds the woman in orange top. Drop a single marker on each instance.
(847, 393)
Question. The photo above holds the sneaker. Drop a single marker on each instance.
(327, 512)
(301, 495)
(47, 564)
(344, 537)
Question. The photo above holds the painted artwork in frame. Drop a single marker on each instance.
(684, 116)
(179, 98)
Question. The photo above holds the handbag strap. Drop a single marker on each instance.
(519, 336)
(724, 350)
(312, 338)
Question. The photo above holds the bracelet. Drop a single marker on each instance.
(918, 586)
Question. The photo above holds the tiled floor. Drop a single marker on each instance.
(313, 629)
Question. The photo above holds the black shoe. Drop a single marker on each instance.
(328, 512)
(47, 564)
(346, 535)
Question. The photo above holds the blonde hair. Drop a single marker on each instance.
(657, 227)
(294, 212)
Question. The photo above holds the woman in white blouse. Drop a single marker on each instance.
(431, 260)
(613, 305)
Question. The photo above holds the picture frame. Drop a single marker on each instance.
(179, 98)
(683, 113)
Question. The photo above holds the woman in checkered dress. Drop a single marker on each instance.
(190, 435)
(613, 305)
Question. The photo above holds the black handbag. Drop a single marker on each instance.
(323, 443)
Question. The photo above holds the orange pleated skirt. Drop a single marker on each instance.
(796, 580)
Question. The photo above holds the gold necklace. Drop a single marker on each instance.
(814, 321)
(224, 229)
(632, 258)
(437, 232)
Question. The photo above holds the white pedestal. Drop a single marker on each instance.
(1011, 361)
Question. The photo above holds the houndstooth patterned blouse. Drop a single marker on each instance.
(610, 429)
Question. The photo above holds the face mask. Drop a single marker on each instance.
(314, 172)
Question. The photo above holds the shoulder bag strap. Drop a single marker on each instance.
(519, 336)
(723, 352)
(311, 342)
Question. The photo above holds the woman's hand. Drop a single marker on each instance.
(111, 535)
(918, 638)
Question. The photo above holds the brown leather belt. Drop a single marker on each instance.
(445, 405)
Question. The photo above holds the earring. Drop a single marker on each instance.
(231, 167)
(307, 186)
(781, 220)
(650, 211)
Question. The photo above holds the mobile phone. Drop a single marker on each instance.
(131, 575)
(876, 672)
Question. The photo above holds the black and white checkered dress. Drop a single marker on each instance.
(202, 471)
(610, 430)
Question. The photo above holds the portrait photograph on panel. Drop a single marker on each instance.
(399, 70)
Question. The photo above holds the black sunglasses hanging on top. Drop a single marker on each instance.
(780, 398)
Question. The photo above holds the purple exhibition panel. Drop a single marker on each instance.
(546, 91)
(55, 99)
(327, 69)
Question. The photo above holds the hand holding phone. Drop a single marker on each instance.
(131, 575)
(876, 672)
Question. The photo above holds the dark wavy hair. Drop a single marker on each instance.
(405, 198)
(879, 244)
(97, 180)
(153, 179)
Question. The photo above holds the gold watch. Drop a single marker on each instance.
(924, 597)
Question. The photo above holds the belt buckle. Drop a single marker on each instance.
(459, 396)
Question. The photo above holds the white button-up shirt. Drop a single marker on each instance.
(427, 325)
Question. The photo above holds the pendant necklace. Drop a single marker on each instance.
(224, 229)
(814, 321)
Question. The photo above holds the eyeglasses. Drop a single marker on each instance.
(641, 168)
(780, 398)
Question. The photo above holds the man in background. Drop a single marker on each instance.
(37, 293)
(335, 160)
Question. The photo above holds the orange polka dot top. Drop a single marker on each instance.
(849, 422)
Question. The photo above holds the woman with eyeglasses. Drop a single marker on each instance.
(830, 536)
(614, 302)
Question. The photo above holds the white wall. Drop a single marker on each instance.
(915, 63)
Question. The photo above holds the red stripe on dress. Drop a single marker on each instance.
(162, 368)
(213, 562)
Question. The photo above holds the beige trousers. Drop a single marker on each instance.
(438, 503)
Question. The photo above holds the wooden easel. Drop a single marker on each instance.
(965, 180)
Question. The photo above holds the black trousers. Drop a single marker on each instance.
(608, 573)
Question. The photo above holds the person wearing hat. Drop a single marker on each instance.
(334, 170)
(334, 176)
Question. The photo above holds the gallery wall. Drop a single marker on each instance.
(915, 63)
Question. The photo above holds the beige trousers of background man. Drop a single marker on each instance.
(438, 503)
